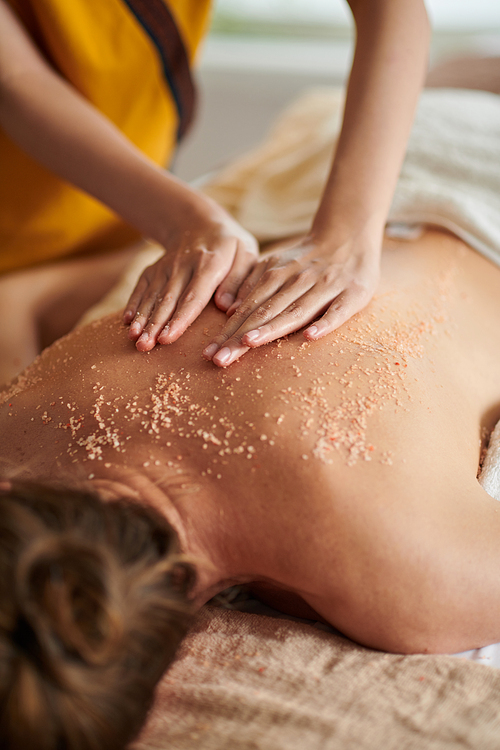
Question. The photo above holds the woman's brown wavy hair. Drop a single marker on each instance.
(93, 604)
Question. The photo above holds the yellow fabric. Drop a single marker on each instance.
(104, 52)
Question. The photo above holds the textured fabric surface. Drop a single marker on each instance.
(450, 176)
(245, 682)
(451, 172)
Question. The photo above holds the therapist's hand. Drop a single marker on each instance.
(204, 253)
(312, 283)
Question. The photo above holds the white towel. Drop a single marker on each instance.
(450, 176)
(489, 478)
(451, 172)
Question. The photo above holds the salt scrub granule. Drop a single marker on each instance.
(168, 405)
(382, 356)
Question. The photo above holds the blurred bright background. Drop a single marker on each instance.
(261, 54)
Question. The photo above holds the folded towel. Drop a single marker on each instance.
(451, 172)
(450, 177)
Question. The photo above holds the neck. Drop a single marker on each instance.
(207, 536)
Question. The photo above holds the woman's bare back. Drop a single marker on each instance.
(342, 470)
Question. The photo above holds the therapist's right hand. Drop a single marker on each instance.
(204, 253)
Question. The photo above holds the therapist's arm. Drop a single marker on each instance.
(206, 250)
(333, 272)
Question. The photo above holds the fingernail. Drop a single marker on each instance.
(252, 335)
(209, 351)
(135, 329)
(128, 316)
(143, 338)
(165, 332)
(227, 300)
(312, 332)
(223, 356)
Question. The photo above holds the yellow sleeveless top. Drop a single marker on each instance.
(131, 59)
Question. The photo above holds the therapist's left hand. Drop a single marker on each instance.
(315, 283)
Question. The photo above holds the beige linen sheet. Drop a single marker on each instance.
(251, 682)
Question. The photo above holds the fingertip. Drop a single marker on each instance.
(164, 335)
(311, 333)
(316, 331)
(134, 331)
(170, 336)
(224, 300)
(209, 351)
(174, 330)
(128, 317)
(253, 338)
(223, 357)
(145, 342)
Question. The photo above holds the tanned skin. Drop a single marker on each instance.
(341, 471)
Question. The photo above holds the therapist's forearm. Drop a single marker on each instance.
(77, 143)
(61, 130)
(387, 75)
